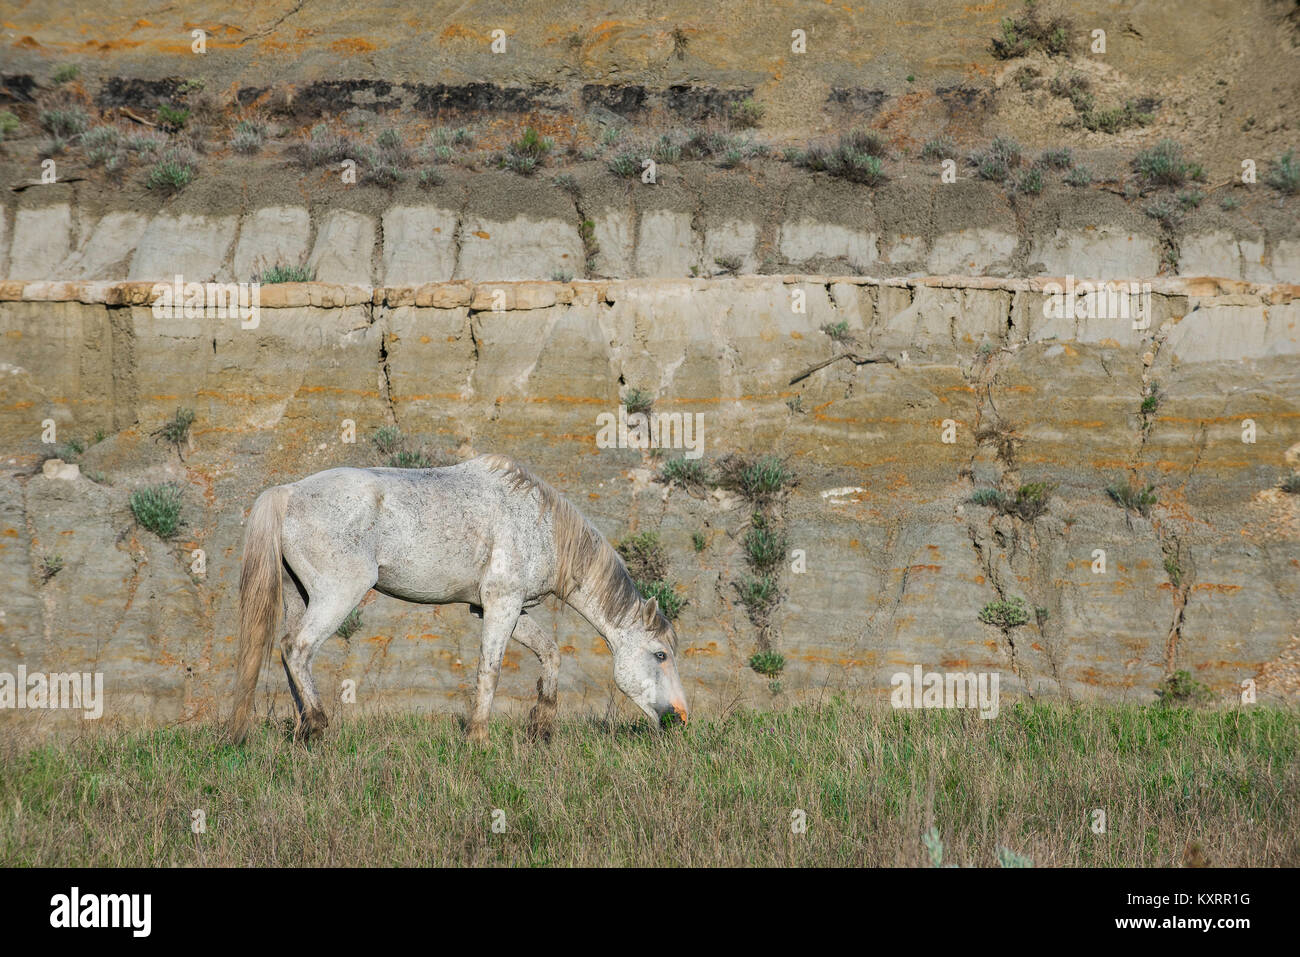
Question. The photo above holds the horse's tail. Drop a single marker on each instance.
(260, 601)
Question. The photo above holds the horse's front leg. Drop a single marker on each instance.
(500, 615)
(542, 718)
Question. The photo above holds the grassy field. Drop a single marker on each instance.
(407, 790)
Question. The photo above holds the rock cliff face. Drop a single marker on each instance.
(501, 227)
(972, 383)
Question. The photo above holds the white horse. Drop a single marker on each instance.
(485, 532)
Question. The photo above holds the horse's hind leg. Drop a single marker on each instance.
(294, 608)
(541, 719)
(325, 612)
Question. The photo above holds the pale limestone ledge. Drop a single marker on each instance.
(535, 294)
(410, 243)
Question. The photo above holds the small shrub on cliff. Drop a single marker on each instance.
(1132, 498)
(350, 625)
(1112, 119)
(1166, 211)
(638, 400)
(172, 117)
(388, 439)
(856, 157)
(746, 114)
(758, 595)
(1019, 36)
(525, 154)
(1165, 165)
(1031, 500)
(989, 498)
(647, 564)
(624, 164)
(176, 430)
(759, 480)
(158, 508)
(838, 332)
(1180, 689)
(670, 603)
(1284, 174)
(1062, 158)
(765, 547)
(51, 565)
(941, 147)
(644, 556)
(249, 136)
(688, 473)
(323, 147)
(173, 172)
(1030, 182)
(1079, 176)
(1291, 484)
(64, 122)
(997, 160)
(1005, 613)
(767, 663)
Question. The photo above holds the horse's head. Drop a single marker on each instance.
(645, 666)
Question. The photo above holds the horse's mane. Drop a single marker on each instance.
(582, 555)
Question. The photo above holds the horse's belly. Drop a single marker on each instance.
(428, 589)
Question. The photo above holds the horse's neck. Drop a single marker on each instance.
(584, 601)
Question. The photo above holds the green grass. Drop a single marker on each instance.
(408, 459)
(281, 272)
(406, 790)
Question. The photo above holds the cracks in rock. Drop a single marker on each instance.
(458, 232)
(276, 25)
(385, 369)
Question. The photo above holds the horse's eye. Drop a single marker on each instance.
(660, 656)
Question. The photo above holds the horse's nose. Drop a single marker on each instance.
(679, 707)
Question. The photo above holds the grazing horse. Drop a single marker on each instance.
(486, 532)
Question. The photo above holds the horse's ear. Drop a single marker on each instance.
(650, 612)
